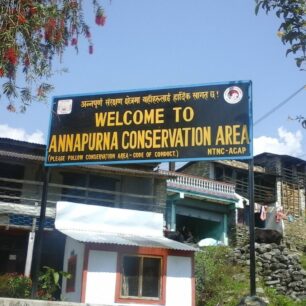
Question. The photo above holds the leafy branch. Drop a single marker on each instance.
(32, 34)
(292, 30)
(300, 119)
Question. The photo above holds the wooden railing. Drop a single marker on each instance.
(23, 197)
(200, 185)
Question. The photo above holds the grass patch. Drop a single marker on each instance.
(303, 261)
(218, 281)
(276, 299)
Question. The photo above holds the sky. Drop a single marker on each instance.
(163, 43)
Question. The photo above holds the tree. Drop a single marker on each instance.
(32, 34)
(300, 119)
(292, 30)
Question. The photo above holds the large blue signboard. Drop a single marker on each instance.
(187, 123)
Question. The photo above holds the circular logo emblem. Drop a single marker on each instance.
(233, 95)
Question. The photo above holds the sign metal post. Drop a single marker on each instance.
(39, 235)
(252, 229)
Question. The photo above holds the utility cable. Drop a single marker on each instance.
(279, 105)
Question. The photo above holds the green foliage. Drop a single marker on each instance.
(49, 283)
(217, 279)
(292, 30)
(303, 261)
(32, 34)
(15, 286)
(276, 299)
(4, 285)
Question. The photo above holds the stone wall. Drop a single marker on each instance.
(278, 267)
(160, 192)
(201, 169)
(241, 235)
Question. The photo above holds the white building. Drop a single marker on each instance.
(120, 257)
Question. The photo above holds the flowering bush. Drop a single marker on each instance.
(19, 286)
(32, 33)
(15, 285)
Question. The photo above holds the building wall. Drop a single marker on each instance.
(54, 192)
(161, 194)
(140, 186)
(101, 277)
(77, 248)
(290, 181)
(201, 168)
(179, 289)
(31, 173)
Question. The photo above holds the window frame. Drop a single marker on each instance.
(120, 298)
(72, 269)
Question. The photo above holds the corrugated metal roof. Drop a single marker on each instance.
(98, 168)
(100, 219)
(127, 240)
(28, 210)
(108, 225)
(15, 155)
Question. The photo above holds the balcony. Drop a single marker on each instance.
(179, 182)
(20, 200)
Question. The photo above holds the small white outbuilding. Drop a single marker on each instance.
(121, 257)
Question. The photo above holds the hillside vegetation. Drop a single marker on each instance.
(220, 281)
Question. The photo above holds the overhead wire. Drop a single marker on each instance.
(274, 109)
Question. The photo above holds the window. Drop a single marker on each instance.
(71, 192)
(10, 191)
(70, 285)
(141, 277)
(89, 189)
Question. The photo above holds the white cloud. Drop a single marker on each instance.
(20, 134)
(287, 143)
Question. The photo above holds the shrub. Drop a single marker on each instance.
(218, 281)
(49, 283)
(303, 261)
(15, 285)
(4, 288)
(277, 299)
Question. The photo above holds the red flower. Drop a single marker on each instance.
(11, 108)
(100, 20)
(91, 49)
(58, 36)
(47, 34)
(74, 41)
(51, 23)
(73, 4)
(21, 19)
(87, 34)
(26, 61)
(40, 92)
(1, 72)
(33, 10)
(11, 56)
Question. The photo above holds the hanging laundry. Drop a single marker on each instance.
(290, 218)
(280, 215)
(263, 213)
